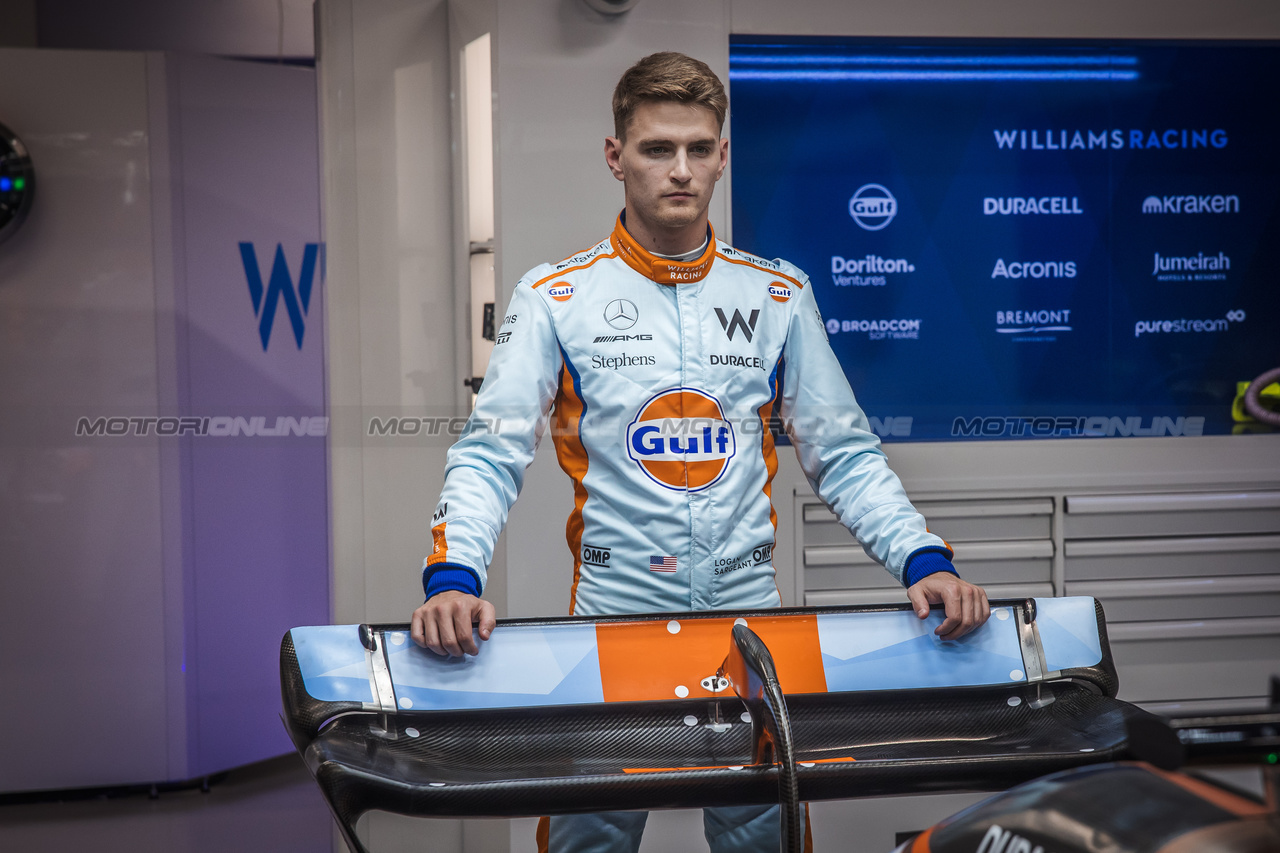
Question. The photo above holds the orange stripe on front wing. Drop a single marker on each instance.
(644, 661)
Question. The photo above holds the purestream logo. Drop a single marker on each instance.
(868, 271)
(877, 330)
(1103, 140)
(1183, 326)
(1197, 267)
(1191, 204)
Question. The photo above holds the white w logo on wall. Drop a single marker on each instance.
(280, 288)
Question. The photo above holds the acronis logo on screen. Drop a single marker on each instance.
(280, 288)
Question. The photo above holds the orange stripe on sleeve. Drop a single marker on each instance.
(439, 545)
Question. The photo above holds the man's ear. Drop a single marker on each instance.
(724, 157)
(613, 156)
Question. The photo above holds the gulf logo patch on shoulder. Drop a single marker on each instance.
(560, 291)
(681, 439)
(780, 291)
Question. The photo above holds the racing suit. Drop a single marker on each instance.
(659, 380)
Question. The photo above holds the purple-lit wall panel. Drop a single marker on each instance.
(247, 142)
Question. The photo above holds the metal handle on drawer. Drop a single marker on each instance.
(1221, 501)
(1176, 587)
(1169, 545)
(1198, 629)
(819, 514)
(819, 555)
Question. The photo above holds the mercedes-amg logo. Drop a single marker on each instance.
(621, 314)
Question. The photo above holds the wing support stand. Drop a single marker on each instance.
(749, 669)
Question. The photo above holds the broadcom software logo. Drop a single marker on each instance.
(873, 207)
(681, 439)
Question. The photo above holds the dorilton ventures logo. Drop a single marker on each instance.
(866, 271)
(1020, 206)
(873, 207)
(1198, 267)
(280, 288)
(1102, 140)
(1191, 204)
(1034, 269)
(1035, 324)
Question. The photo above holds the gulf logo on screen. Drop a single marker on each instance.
(780, 291)
(681, 440)
(560, 291)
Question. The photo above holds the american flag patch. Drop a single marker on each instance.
(662, 564)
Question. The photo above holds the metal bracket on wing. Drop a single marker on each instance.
(384, 693)
(1033, 661)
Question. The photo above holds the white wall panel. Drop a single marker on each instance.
(79, 518)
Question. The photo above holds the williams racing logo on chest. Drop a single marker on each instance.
(682, 440)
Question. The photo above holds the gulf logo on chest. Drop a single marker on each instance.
(681, 439)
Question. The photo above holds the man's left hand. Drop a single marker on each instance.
(966, 605)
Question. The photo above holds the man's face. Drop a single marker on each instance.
(670, 162)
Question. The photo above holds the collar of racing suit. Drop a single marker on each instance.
(662, 270)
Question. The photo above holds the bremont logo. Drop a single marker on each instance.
(748, 326)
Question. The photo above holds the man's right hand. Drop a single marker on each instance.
(443, 624)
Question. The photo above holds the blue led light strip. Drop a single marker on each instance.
(741, 57)
(840, 75)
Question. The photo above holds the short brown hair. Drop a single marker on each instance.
(667, 76)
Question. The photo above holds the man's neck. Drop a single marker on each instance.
(667, 241)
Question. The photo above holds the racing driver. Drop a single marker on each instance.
(659, 358)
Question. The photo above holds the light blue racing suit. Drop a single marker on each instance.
(659, 380)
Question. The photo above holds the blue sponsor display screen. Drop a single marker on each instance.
(1023, 240)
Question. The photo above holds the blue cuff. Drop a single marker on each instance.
(922, 563)
(443, 577)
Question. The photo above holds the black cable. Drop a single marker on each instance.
(1252, 398)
